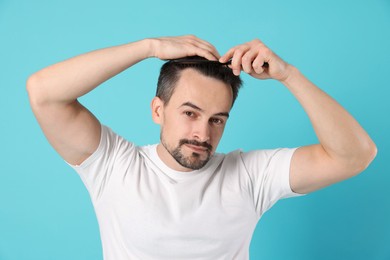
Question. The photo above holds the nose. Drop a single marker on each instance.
(201, 132)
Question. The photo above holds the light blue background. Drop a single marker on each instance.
(343, 46)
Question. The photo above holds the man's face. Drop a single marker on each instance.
(193, 121)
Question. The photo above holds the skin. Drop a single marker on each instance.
(344, 149)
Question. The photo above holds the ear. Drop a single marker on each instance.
(157, 106)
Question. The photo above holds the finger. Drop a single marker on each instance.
(198, 51)
(208, 48)
(258, 63)
(211, 48)
(236, 61)
(204, 45)
(247, 60)
(208, 55)
(227, 56)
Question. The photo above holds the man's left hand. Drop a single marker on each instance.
(256, 59)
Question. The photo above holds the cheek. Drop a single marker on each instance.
(176, 129)
(216, 136)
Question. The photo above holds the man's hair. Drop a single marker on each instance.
(170, 74)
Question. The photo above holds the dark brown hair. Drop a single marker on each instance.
(170, 74)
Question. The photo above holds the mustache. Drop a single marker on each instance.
(197, 143)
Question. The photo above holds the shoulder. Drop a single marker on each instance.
(267, 154)
(261, 154)
(112, 147)
(256, 161)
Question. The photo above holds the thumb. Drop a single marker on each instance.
(227, 56)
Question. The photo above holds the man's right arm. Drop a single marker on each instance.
(71, 129)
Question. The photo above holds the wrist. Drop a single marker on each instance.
(291, 74)
(151, 45)
(144, 48)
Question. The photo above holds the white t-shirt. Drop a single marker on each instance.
(147, 211)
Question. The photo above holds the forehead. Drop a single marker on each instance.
(209, 93)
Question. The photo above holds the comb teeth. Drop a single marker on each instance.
(196, 61)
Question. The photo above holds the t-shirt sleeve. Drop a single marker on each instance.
(98, 169)
(269, 173)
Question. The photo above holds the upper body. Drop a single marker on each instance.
(192, 120)
(146, 210)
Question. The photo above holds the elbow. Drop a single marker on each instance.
(372, 151)
(34, 88)
(31, 87)
(366, 155)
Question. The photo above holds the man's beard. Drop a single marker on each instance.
(192, 161)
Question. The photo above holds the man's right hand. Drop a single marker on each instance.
(166, 48)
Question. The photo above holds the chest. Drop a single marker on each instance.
(150, 211)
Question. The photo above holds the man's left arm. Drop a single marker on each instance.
(344, 149)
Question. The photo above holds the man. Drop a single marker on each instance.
(179, 199)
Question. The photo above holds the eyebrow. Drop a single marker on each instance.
(192, 105)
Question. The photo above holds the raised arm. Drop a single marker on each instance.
(345, 149)
(71, 129)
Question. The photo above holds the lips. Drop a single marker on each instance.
(197, 148)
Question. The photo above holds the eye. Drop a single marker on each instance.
(216, 121)
(189, 113)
